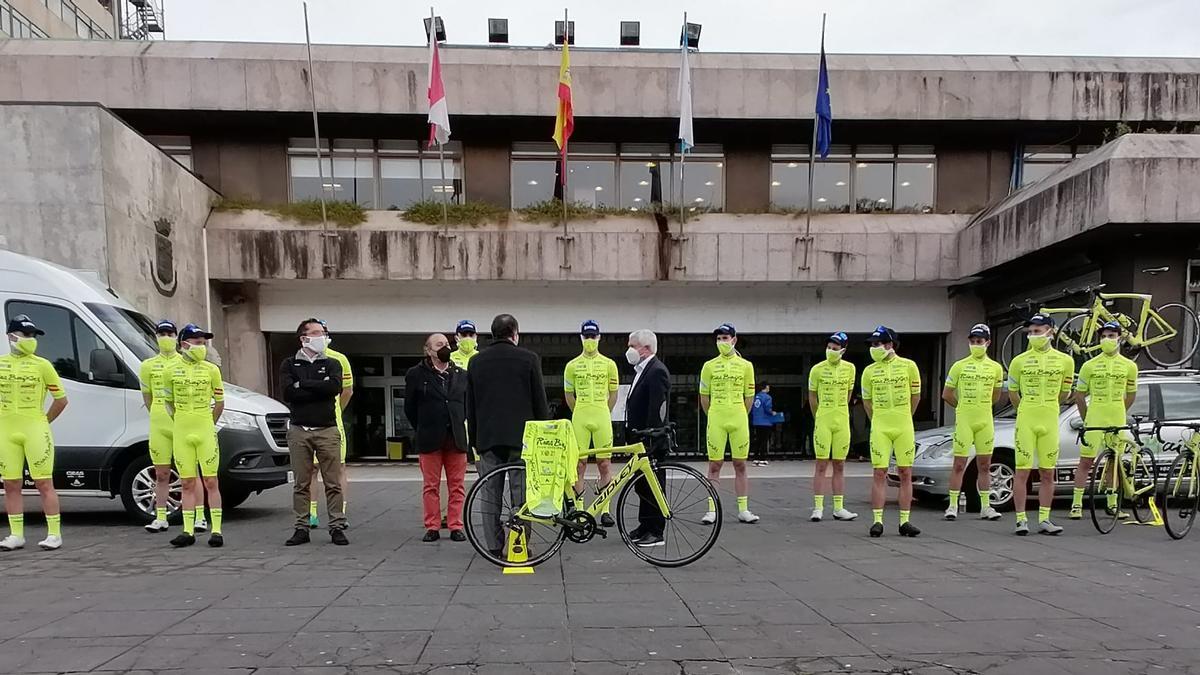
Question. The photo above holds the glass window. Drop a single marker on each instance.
(915, 183)
(1033, 172)
(399, 182)
(83, 27)
(831, 182)
(592, 182)
(1181, 400)
(703, 185)
(353, 180)
(646, 175)
(56, 345)
(873, 186)
(87, 346)
(134, 330)
(432, 185)
(5, 20)
(789, 177)
(306, 181)
(533, 181)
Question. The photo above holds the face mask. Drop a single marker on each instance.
(466, 345)
(25, 345)
(316, 344)
(591, 345)
(979, 351)
(833, 355)
(1109, 345)
(1039, 341)
(725, 348)
(879, 353)
(632, 356)
(166, 344)
(196, 352)
(443, 354)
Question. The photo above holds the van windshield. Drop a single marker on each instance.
(131, 328)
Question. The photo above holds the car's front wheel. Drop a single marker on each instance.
(137, 491)
(1003, 475)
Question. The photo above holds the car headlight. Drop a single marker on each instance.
(240, 421)
(940, 450)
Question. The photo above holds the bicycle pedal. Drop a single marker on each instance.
(602, 532)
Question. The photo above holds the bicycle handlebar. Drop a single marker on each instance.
(1158, 427)
(655, 432)
(1137, 432)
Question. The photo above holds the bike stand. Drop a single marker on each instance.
(518, 552)
(1157, 520)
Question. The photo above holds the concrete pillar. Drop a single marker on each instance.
(487, 174)
(968, 180)
(245, 358)
(243, 169)
(747, 179)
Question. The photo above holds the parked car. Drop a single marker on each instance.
(97, 342)
(1162, 395)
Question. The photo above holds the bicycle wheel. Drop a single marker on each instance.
(685, 538)
(1144, 476)
(1177, 350)
(1104, 491)
(1180, 495)
(1068, 339)
(489, 515)
(1013, 344)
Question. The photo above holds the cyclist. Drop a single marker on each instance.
(891, 390)
(726, 396)
(830, 384)
(195, 399)
(1039, 381)
(1106, 387)
(339, 405)
(590, 382)
(153, 376)
(466, 337)
(25, 379)
(973, 386)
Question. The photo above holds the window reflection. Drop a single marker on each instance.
(533, 181)
(387, 174)
(789, 184)
(831, 187)
(872, 187)
(645, 182)
(592, 182)
(914, 187)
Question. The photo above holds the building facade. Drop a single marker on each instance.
(957, 188)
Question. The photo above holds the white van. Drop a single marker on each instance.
(97, 342)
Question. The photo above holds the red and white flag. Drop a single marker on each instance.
(439, 112)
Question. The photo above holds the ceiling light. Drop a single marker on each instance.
(928, 166)
(650, 165)
(698, 199)
(775, 183)
(720, 164)
(708, 183)
(533, 182)
(637, 199)
(882, 200)
(599, 188)
(792, 165)
(840, 183)
(822, 199)
(862, 165)
(905, 184)
(643, 182)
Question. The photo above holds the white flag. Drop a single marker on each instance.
(687, 139)
(439, 112)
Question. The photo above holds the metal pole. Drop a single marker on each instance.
(812, 166)
(565, 171)
(682, 154)
(441, 149)
(312, 90)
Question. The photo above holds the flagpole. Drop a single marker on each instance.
(441, 147)
(565, 171)
(812, 164)
(682, 153)
(312, 90)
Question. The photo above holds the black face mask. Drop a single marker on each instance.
(443, 354)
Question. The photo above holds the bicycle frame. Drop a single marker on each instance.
(1122, 446)
(1146, 316)
(1098, 314)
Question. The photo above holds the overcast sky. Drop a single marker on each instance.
(1060, 27)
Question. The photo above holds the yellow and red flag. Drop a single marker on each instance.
(564, 121)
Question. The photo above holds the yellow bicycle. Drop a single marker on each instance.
(1169, 334)
(675, 496)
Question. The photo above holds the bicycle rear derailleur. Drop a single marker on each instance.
(581, 526)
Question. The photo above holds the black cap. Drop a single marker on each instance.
(980, 330)
(589, 328)
(725, 329)
(839, 338)
(23, 324)
(882, 334)
(1039, 320)
(193, 331)
(165, 326)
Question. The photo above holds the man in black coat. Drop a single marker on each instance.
(435, 402)
(504, 391)
(646, 408)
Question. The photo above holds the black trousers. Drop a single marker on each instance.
(650, 517)
(760, 439)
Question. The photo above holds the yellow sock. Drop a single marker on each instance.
(1022, 516)
(1043, 514)
(16, 524)
(712, 506)
(954, 499)
(818, 501)
(312, 509)
(216, 520)
(1077, 498)
(838, 502)
(743, 504)
(985, 499)
(160, 513)
(54, 525)
(903, 516)
(878, 514)
(189, 521)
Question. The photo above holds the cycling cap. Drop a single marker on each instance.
(193, 331)
(725, 329)
(882, 334)
(465, 326)
(1039, 320)
(839, 338)
(981, 330)
(1111, 325)
(589, 328)
(165, 326)
(21, 323)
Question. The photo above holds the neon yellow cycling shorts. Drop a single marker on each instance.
(195, 444)
(892, 432)
(728, 426)
(1037, 432)
(25, 438)
(593, 428)
(974, 428)
(1093, 441)
(831, 436)
(161, 441)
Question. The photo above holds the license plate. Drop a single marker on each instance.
(291, 477)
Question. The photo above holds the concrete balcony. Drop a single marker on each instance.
(861, 249)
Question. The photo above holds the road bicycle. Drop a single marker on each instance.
(1169, 334)
(1123, 475)
(505, 533)
(1180, 496)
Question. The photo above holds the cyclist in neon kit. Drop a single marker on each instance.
(973, 387)
(154, 383)
(1107, 386)
(25, 379)
(891, 390)
(830, 384)
(340, 404)
(1039, 381)
(590, 383)
(465, 335)
(726, 396)
(195, 399)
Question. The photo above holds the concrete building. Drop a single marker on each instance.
(957, 188)
(84, 19)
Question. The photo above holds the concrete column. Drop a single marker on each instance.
(243, 169)
(747, 179)
(969, 180)
(245, 359)
(487, 174)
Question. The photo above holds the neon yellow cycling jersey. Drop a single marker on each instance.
(591, 379)
(347, 380)
(461, 359)
(890, 385)
(833, 383)
(154, 374)
(1107, 380)
(975, 380)
(192, 386)
(24, 383)
(550, 454)
(1041, 377)
(728, 381)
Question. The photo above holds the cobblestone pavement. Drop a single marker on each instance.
(782, 596)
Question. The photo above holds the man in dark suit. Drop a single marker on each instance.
(435, 402)
(646, 408)
(504, 391)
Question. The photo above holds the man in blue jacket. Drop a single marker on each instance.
(762, 423)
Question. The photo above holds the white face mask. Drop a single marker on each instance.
(316, 344)
(632, 356)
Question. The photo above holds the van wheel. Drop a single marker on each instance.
(1004, 473)
(137, 491)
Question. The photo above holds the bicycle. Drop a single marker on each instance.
(1180, 494)
(1079, 333)
(1131, 481)
(507, 534)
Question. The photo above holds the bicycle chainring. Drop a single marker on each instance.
(580, 526)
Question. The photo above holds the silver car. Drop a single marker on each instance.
(1172, 395)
